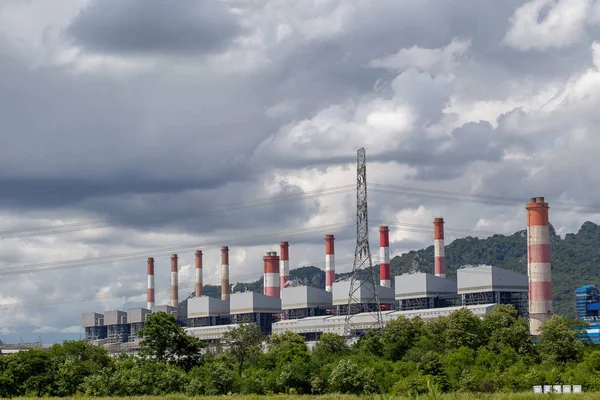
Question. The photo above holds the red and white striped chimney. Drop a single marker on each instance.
(225, 273)
(438, 247)
(284, 263)
(538, 264)
(384, 257)
(329, 262)
(271, 277)
(174, 284)
(198, 273)
(150, 300)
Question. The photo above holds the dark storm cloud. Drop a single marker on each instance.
(154, 26)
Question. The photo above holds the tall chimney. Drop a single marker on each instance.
(384, 257)
(438, 247)
(284, 264)
(271, 277)
(538, 264)
(329, 262)
(174, 284)
(150, 300)
(225, 273)
(198, 273)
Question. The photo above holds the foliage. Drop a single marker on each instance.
(244, 343)
(409, 359)
(164, 341)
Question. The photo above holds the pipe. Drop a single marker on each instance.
(174, 284)
(284, 264)
(150, 299)
(438, 246)
(384, 257)
(271, 275)
(198, 273)
(539, 270)
(329, 262)
(225, 273)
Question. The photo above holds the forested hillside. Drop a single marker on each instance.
(575, 262)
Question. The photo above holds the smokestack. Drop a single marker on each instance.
(384, 257)
(150, 300)
(174, 285)
(329, 262)
(538, 264)
(198, 273)
(225, 273)
(271, 277)
(284, 263)
(438, 246)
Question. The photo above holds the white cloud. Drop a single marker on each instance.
(424, 58)
(544, 24)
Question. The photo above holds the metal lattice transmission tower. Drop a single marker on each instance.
(363, 295)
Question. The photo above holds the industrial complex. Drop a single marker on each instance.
(311, 311)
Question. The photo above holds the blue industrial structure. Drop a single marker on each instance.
(588, 306)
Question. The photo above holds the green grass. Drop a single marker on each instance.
(451, 396)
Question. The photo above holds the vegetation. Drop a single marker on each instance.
(409, 358)
(575, 260)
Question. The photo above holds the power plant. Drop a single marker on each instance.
(310, 311)
(348, 307)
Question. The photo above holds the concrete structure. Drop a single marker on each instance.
(225, 273)
(423, 291)
(260, 309)
(487, 284)
(93, 326)
(538, 264)
(305, 301)
(198, 268)
(284, 263)
(117, 328)
(136, 318)
(312, 328)
(329, 262)
(271, 277)
(150, 295)
(174, 283)
(438, 247)
(207, 311)
(363, 299)
(384, 257)
(167, 310)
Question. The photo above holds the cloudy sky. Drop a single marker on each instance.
(158, 125)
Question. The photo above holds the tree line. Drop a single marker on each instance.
(457, 353)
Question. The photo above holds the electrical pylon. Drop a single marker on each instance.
(363, 285)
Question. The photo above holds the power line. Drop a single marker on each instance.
(85, 262)
(49, 266)
(104, 223)
(133, 293)
(477, 198)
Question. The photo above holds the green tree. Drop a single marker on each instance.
(244, 343)
(370, 343)
(463, 329)
(72, 362)
(165, 341)
(330, 347)
(286, 347)
(560, 340)
(348, 377)
(504, 328)
(397, 337)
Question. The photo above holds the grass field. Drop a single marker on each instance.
(452, 396)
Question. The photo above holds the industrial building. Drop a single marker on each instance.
(311, 312)
(588, 308)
